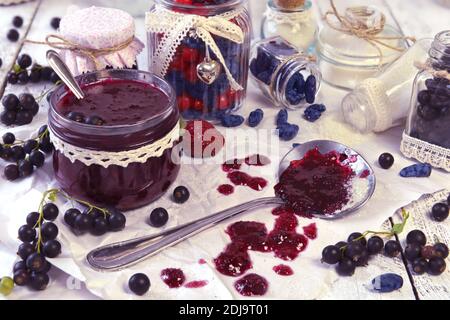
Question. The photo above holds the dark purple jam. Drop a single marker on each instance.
(133, 114)
(252, 285)
(174, 278)
(283, 270)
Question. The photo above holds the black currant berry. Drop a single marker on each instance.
(17, 21)
(50, 211)
(331, 255)
(36, 262)
(386, 160)
(54, 23)
(24, 61)
(27, 101)
(46, 73)
(22, 77)
(412, 252)
(417, 237)
(39, 281)
(346, 267)
(341, 244)
(70, 215)
(428, 252)
(100, 226)
(116, 220)
(23, 117)
(83, 222)
(159, 217)
(8, 117)
(37, 158)
(441, 250)
(13, 35)
(26, 233)
(357, 235)
(25, 250)
(46, 145)
(375, 245)
(10, 102)
(19, 265)
(75, 116)
(139, 284)
(363, 259)
(49, 231)
(18, 153)
(35, 76)
(436, 266)
(354, 251)
(12, 77)
(25, 168)
(392, 249)
(30, 145)
(95, 121)
(440, 212)
(21, 277)
(8, 138)
(181, 194)
(420, 266)
(51, 248)
(32, 219)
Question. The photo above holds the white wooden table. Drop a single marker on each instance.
(421, 18)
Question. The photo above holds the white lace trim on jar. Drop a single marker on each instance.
(425, 152)
(296, 20)
(121, 158)
(176, 26)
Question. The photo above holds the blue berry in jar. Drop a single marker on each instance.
(422, 170)
(255, 118)
(310, 90)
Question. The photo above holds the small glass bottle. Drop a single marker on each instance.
(286, 76)
(427, 134)
(382, 102)
(295, 24)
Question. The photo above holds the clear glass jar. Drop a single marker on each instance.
(285, 76)
(125, 187)
(382, 102)
(195, 98)
(345, 59)
(429, 118)
(296, 25)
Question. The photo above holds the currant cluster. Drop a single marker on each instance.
(18, 110)
(425, 258)
(39, 242)
(22, 73)
(94, 220)
(356, 251)
(25, 155)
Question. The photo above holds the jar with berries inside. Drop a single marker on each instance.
(427, 134)
(202, 48)
(285, 75)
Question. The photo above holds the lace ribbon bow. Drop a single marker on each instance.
(176, 26)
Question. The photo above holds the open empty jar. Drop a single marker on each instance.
(286, 76)
(353, 46)
(117, 145)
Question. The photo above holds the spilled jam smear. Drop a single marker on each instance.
(317, 184)
(252, 285)
(174, 278)
(283, 270)
(283, 241)
(310, 231)
(196, 284)
(239, 178)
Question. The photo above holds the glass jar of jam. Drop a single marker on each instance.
(117, 146)
(177, 53)
(427, 134)
(284, 74)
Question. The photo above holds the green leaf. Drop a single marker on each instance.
(398, 228)
(17, 68)
(52, 196)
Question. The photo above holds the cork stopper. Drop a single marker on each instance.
(289, 4)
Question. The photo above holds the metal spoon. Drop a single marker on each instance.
(61, 69)
(119, 255)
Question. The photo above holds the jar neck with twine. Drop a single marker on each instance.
(176, 26)
(366, 23)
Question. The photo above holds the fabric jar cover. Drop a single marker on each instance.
(99, 28)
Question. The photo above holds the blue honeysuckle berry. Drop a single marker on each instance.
(255, 118)
(282, 117)
(314, 112)
(288, 131)
(232, 121)
(388, 282)
(422, 170)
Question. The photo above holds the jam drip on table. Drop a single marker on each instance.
(174, 278)
(316, 184)
(252, 285)
(240, 178)
(196, 284)
(283, 241)
(283, 270)
(310, 231)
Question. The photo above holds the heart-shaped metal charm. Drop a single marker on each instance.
(208, 71)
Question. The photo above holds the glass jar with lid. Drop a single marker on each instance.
(294, 21)
(285, 75)
(346, 59)
(202, 49)
(117, 146)
(427, 134)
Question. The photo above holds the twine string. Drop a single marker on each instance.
(58, 42)
(362, 30)
(444, 74)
